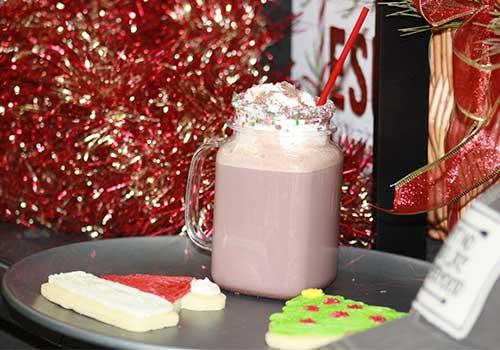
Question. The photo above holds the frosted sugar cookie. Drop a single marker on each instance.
(203, 296)
(185, 292)
(171, 288)
(109, 302)
(314, 319)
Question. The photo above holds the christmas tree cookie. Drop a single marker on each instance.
(314, 319)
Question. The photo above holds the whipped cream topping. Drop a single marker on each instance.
(114, 295)
(283, 107)
(204, 286)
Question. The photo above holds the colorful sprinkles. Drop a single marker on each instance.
(340, 314)
(312, 308)
(329, 301)
(378, 319)
(307, 320)
(281, 107)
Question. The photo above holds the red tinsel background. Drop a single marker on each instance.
(102, 104)
(356, 217)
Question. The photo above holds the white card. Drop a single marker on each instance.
(463, 274)
(321, 32)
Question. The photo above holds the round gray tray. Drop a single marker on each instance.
(369, 276)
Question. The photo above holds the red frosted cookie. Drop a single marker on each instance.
(168, 287)
(192, 293)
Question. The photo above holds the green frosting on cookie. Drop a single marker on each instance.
(329, 315)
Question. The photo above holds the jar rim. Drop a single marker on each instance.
(259, 116)
(282, 132)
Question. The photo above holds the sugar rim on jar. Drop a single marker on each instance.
(285, 119)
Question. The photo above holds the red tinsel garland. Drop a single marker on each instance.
(356, 218)
(102, 104)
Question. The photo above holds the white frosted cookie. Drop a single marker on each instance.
(109, 302)
(203, 296)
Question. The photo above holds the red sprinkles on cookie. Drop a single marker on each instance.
(340, 314)
(307, 320)
(312, 308)
(331, 301)
(354, 306)
(378, 319)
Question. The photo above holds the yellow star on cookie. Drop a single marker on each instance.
(312, 293)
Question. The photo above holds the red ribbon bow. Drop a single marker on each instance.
(473, 139)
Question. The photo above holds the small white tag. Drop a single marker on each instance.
(463, 273)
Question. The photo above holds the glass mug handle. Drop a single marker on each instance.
(191, 202)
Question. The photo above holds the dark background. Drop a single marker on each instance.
(400, 131)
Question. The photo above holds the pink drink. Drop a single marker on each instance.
(275, 231)
(277, 195)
